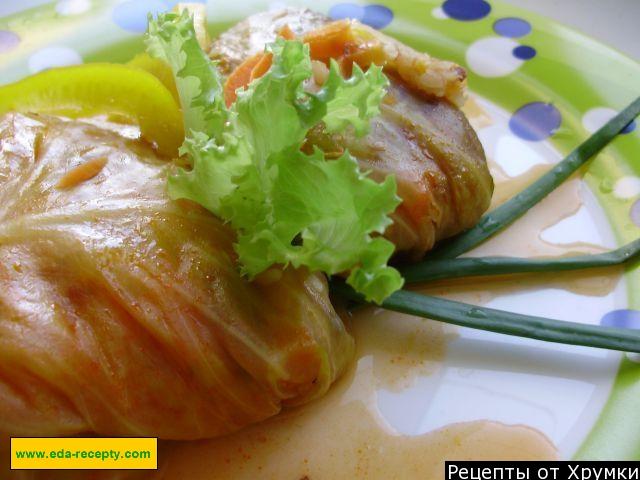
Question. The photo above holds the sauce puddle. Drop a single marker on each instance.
(523, 239)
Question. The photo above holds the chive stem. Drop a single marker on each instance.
(499, 321)
(431, 270)
(507, 213)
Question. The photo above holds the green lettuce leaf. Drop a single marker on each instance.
(353, 101)
(327, 209)
(171, 38)
(287, 207)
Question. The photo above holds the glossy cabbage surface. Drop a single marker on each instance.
(123, 313)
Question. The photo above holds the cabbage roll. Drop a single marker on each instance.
(124, 313)
(421, 135)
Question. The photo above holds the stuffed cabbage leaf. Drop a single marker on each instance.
(123, 312)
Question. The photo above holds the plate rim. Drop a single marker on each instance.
(616, 433)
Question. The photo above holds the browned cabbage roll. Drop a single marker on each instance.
(421, 136)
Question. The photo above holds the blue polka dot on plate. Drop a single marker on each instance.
(631, 126)
(624, 318)
(524, 52)
(346, 10)
(376, 16)
(535, 121)
(466, 10)
(512, 27)
(8, 40)
(635, 213)
(132, 14)
(53, 56)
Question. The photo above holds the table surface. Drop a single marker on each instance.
(614, 22)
